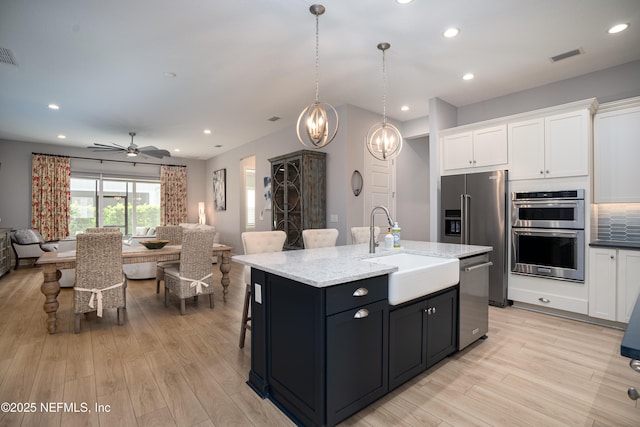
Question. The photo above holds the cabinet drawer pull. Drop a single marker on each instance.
(360, 292)
(361, 314)
(544, 300)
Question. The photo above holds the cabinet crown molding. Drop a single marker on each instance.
(590, 104)
(619, 105)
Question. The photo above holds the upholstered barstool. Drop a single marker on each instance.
(361, 234)
(319, 237)
(256, 242)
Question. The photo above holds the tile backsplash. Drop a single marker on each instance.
(619, 222)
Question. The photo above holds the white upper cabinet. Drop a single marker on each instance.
(475, 148)
(553, 142)
(550, 147)
(457, 151)
(617, 152)
(526, 140)
(567, 144)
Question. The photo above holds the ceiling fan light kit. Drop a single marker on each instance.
(132, 150)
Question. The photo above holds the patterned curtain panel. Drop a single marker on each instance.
(173, 199)
(50, 195)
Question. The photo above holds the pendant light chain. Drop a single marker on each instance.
(317, 58)
(384, 89)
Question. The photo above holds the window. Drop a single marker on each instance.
(250, 194)
(248, 198)
(113, 202)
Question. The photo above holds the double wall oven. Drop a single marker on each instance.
(547, 234)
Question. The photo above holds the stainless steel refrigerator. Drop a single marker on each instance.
(474, 212)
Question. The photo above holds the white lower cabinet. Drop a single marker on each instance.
(602, 283)
(613, 283)
(628, 283)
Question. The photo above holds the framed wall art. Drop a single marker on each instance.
(220, 190)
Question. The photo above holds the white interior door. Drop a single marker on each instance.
(379, 190)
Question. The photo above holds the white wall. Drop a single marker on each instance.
(412, 188)
(344, 155)
(15, 177)
(606, 85)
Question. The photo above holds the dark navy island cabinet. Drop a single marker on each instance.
(320, 354)
(422, 333)
(323, 354)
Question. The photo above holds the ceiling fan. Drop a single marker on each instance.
(132, 150)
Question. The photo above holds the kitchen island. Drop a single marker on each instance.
(325, 341)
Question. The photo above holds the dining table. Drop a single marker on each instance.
(52, 262)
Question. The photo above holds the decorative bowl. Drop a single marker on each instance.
(154, 244)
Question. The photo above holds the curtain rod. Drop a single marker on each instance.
(105, 160)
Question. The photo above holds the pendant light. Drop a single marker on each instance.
(384, 140)
(318, 122)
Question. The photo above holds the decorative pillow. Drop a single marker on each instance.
(49, 247)
(141, 231)
(28, 236)
(151, 231)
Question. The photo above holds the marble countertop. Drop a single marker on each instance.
(341, 264)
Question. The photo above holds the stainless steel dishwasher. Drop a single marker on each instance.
(474, 299)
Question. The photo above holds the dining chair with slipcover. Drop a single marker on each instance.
(103, 230)
(172, 233)
(193, 276)
(100, 283)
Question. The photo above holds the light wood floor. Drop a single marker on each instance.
(163, 369)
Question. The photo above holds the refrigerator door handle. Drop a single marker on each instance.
(465, 205)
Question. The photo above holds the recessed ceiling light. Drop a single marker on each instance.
(53, 107)
(617, 28)
(404, 108)
(451, 32)
(207, 131)
(403, 1)
(177, 150)
(468, 76)
(62, 136)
